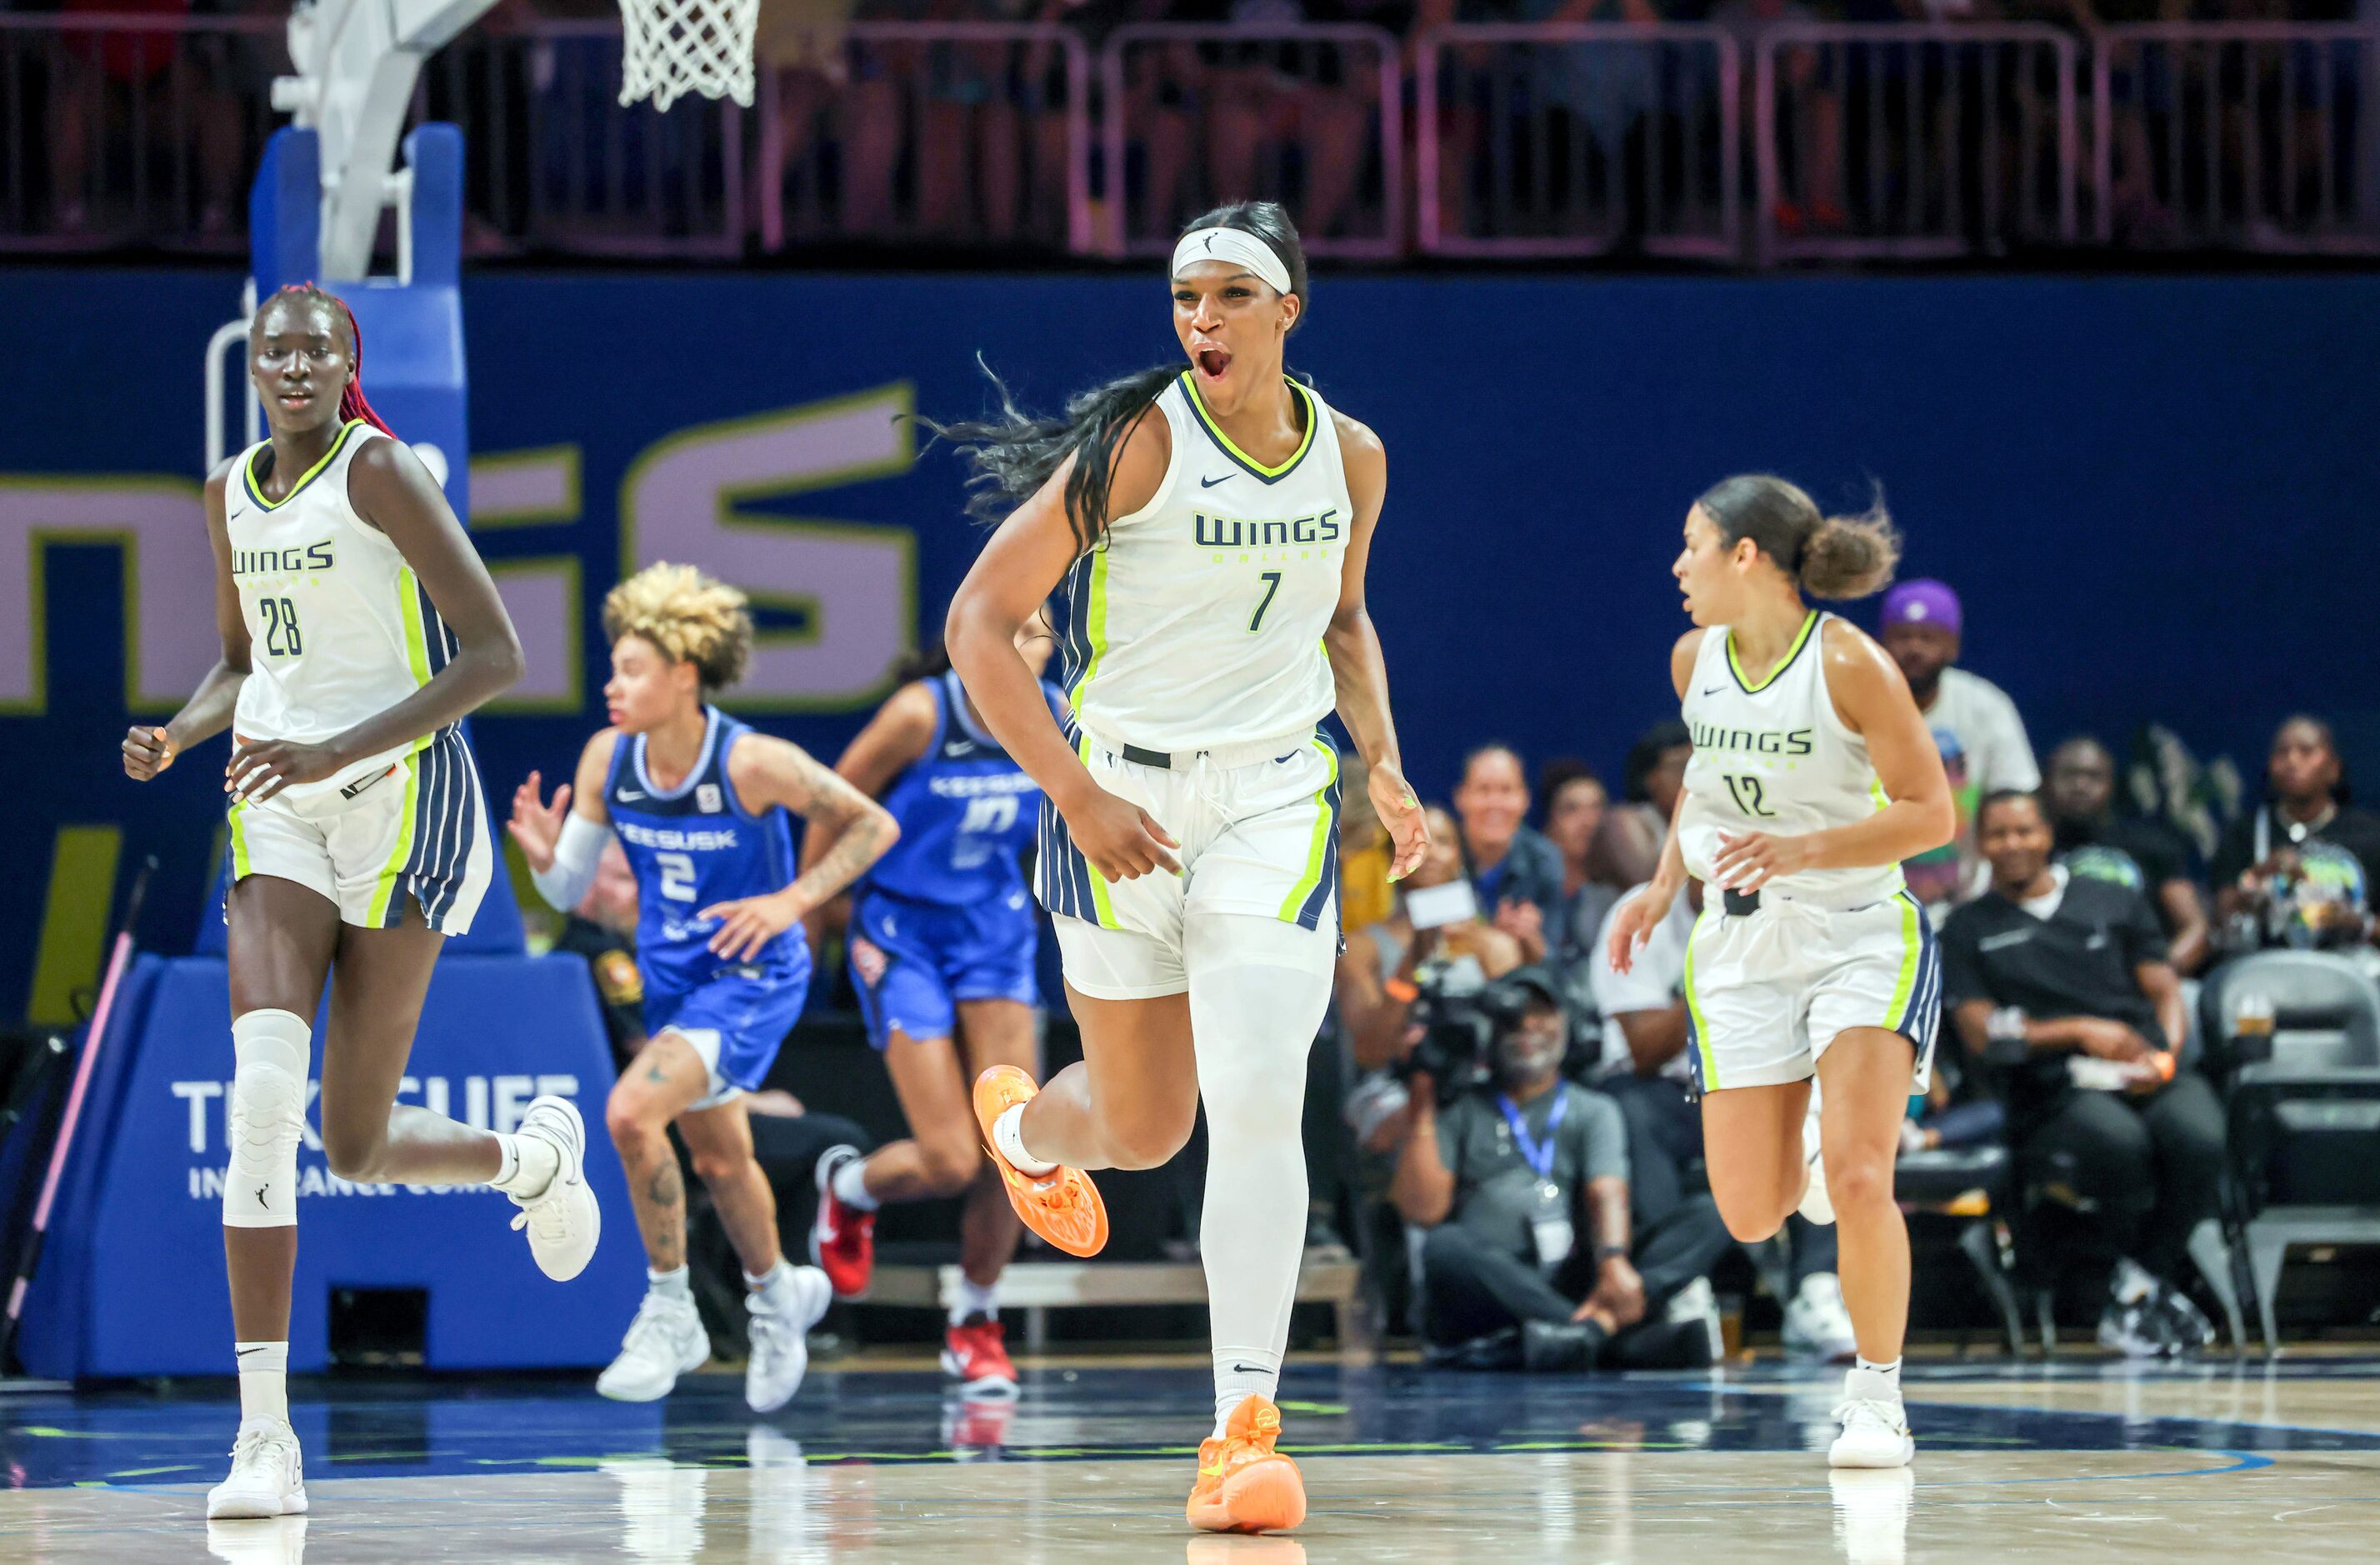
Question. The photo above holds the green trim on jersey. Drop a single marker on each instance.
(1215, 431)
(376, 916)
(1325, 822)
(256, 491)
(239, 842)
(1694, 1009)
(1913, 941)
(1749, 689)
(1101, 904)
(1095, 627)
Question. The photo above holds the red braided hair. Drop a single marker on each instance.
(352, 402)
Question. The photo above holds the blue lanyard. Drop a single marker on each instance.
(1538, 1155)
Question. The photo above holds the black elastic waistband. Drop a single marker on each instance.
(1737, 905)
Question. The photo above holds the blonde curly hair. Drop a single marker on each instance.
(689, 616)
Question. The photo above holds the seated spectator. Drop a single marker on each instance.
(2298, 869)
(1528, 1258)
(1575, 803)
(1982, 738)
(2093, 839)
(1636, 830)
(2064, 978)
(1383, 967)
(1517, 873)
(1649, 1070)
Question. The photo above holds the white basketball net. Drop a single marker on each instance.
(674, 47)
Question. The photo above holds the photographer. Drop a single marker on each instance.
(1521, 1183)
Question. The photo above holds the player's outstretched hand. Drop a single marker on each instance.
(262, 767)
(1393, 802)
(535, 825)
(748, 925)
(1634, 921)
(147, 752)
(1121, 840)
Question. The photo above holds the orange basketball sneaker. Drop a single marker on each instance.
(1061, 1206)
(1244, 1485)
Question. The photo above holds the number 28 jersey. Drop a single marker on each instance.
(338, 629)
(1776, 757)
(1197, 620)
(691, 847)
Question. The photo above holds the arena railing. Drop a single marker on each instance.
(964, 134)
(132, 129)
(1310, 115)
(1904, 140)
(1914, 140)
(1555, 139)
(2256, 135)
(553, 162)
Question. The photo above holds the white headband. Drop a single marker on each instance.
(1233, 245)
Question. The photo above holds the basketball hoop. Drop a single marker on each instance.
(672, 47)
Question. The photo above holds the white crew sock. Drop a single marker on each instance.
(1239, 1375)
(1008, 1135)
(1259, 990)
(672, 1285)
(850, 1185)
(529, 1164)
(264, 1381)
(975, 1299)
(772, 1284)
(1869, 1381)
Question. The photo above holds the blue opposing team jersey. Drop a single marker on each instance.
(692, 846)
(968, 813)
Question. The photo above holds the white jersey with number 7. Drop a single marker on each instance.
(1197, 620)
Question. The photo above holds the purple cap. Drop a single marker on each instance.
(1922, 601)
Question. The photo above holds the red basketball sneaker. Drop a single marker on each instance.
(842, 1238)
(976, 1355)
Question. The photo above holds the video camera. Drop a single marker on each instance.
(1460, 1029)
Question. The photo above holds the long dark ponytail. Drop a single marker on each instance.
(1013, 454)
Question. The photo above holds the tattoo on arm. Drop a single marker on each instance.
(821, 794)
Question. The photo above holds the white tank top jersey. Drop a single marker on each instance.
(1197, 620)
(1776, 757)
(338, 629)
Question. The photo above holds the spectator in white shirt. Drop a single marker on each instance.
(1982, 738)
(1648, 1068)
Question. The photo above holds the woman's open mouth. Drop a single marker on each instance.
(1211, 360)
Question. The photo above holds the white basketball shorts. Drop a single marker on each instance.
(419, 828)
(1767, 992)
(1259, 826)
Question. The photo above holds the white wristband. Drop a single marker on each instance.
(565, 883)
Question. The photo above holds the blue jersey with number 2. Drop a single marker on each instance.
(691, 847)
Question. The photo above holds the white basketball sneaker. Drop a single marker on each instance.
(268, 1475)
(1876, 1434)
(563, 1220)
(783, 1314)
(1816, 1206)
(1817, 1324)
(666, 1341)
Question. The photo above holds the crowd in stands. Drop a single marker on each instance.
(968, 142)
(1543, 1208)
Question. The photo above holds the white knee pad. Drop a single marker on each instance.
(271, 1051)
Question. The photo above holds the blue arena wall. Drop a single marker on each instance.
(2152, 493)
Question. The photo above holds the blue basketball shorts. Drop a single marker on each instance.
(914, 962)
(735, 1020)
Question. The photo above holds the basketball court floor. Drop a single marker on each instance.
(2075, 1460)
